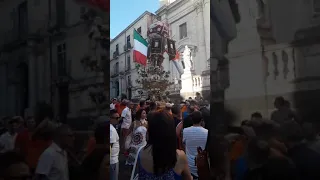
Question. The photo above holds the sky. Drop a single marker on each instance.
(124, 12)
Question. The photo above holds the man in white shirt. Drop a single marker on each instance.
(115, 146)
(53, 162)
(194, 137)
(7, 140)
(126, 118)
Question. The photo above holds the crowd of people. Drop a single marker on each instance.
(38, 147)
(176, 143)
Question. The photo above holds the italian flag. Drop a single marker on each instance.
(140, 49)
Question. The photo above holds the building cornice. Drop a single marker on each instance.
(175, 4)
(132, 24)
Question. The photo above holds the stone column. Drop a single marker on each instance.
(291, 64)
(270, 66)
(201, 36)
(41, 78)
(32, 85)
(280, 65)
(206, 20)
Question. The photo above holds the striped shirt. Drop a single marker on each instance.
(194, 137)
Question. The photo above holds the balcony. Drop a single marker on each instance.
(279, 61)
(197, 83)
(115, 54)
(127, 47)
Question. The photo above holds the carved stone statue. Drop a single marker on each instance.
(187, 58)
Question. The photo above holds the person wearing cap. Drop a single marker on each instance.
(7, 139)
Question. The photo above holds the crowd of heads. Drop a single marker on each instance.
(23, 141)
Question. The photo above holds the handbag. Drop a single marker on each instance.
(133, 175)
(202, 164)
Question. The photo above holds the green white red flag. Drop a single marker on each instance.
(140, 49)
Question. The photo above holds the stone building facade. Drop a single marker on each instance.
(41, 52)
(186, 19)
(123, 73)
(279, 57)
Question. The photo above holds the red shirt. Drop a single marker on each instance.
(32, 149)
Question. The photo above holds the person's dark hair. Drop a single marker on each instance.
(101, 133)
(256, 115)
(196, 117)
(162, 138)
(266, 131)
(152, 106)
(287, 104)
(138, 114)
(113, 111)
(280, 101)
(176, 109)
(142, 103)
(8, 159)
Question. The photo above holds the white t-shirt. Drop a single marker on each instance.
(114, 139)
(194, 137)
(7, 142)
(112, 106)
(127, 118)
(53, 163)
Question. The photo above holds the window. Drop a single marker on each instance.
(117, 84)
(139, 30)
(128, 39)
(128, 63)
(116, 68)
(128, 42)
(129, 81)
(183, 30)
(316, 6)
(117, 48)
(23, 19)
(61, 59)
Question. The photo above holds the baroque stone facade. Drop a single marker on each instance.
(186, 19)
(41, 58)
(277, 59)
